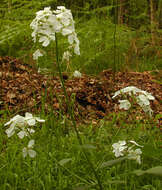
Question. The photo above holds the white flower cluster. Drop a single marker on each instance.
(77, 74)
(120, 149)
(23, 126)
(48, 22)
(142, 98)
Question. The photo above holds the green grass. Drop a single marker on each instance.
(60, 163)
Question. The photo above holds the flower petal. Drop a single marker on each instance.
(22, 134)
(24, 152)
(32, 153)
(31, 143)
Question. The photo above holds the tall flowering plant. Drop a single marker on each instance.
(48, 23)
(23, 127)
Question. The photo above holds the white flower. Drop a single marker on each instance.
(128, 89)
(10, 131)
(66, 56)
(135, 154)
(29, 150)
(77, 74)
(37, 54)
(47, 23)
(71, 38)
(142, 100)
(119, 147)
(54, 24)
(15, 122)
(25, 132)
(60, 9)
(31, 121)
(46, 12)
(124, 104)
(45, 40)
(20, 123)
(142, 97)
(76, 49)
(64, 18)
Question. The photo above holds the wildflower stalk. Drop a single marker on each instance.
(114, 39)
(72, 117)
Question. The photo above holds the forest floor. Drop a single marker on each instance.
(24, 89)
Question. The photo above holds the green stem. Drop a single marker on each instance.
(114, 39)
(73, 119)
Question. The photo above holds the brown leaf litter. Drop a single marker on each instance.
(23, 89)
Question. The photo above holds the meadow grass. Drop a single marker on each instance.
(60, 163)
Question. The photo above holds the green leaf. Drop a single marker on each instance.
(82, 188)
(154, 171)
(112, 162)
(116, 182)
(64, 161)
(139, 172)
(86, 146)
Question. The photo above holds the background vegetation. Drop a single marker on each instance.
(128, 30)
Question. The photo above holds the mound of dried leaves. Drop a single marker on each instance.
(23, 89)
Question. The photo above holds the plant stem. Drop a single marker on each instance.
(73, 119)
(114, 39)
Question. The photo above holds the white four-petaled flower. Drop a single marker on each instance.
(142, 98)
(124, 104)
(119, 147)
(135, 154)
(15, 123)
(29, 150)
(77, 74)
(37, 54)
(66, 56)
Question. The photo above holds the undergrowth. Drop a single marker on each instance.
(60, 164)
(97, 47)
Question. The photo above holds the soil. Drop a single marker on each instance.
(23, 89)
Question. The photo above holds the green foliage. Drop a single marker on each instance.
(60, 164)
(97, 47)
(95, 25)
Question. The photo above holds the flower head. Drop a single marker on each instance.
(25, 132)
(142, 98)
(37, 54)
(77, 74)
(135, 154)
(47, 23)
(15, 123)
(21, 123)
(29, 150)
(66, 56)
(119, 147)
(124, 104)
(129, 90)
(31, 121)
